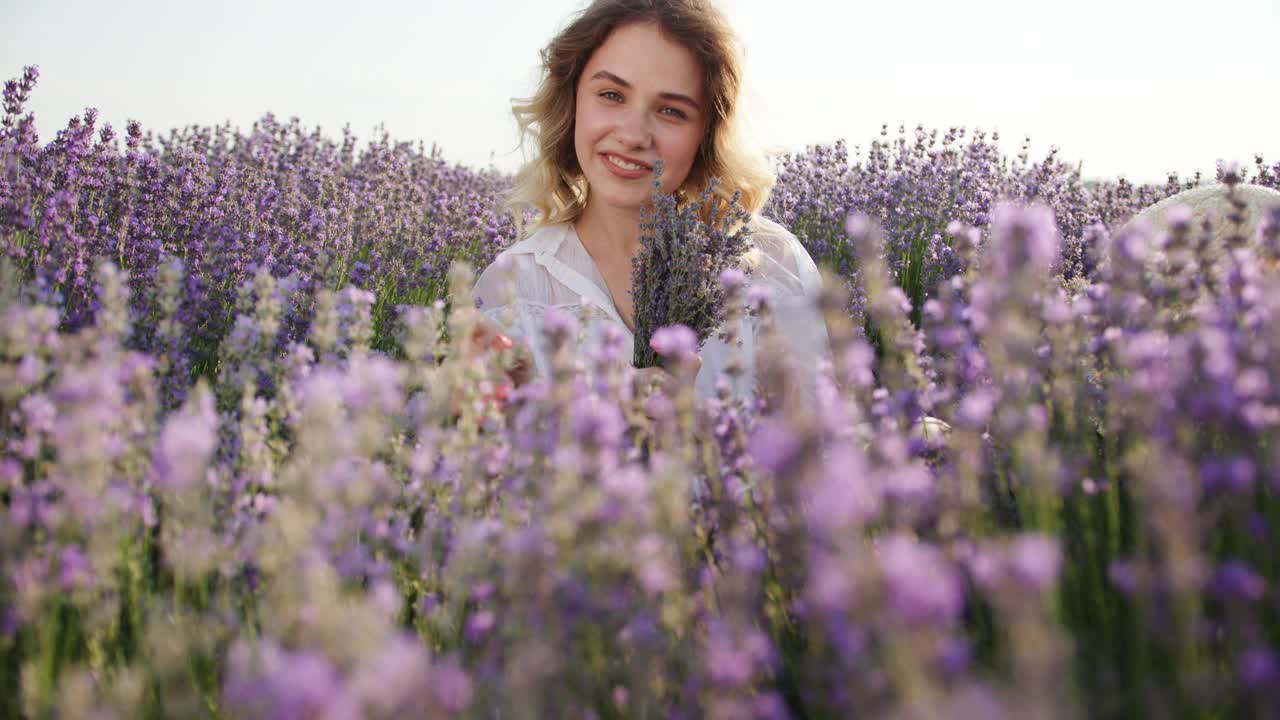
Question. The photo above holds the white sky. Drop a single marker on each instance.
(1132, 87)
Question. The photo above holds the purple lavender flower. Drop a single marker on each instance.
(1259, 667)
(479, 625)
(846, 494)
(733, 658)
(1035, 561)
(1232, 475)
(451, 686)
(955, 657)
(1237, 581)
(732, 278)
(1022, 237)
(397, 679)
(266, 681)
(187, 442)
(74, 570)
(976, 408)
(757, 296)
(1269, 234)
(596, 423)
(775, 446)
(684, 250)
(923, 586)
(830, 587)
(675, 341)
(559, 326)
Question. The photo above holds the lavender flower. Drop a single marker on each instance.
(683, 251)
(923, 586)
(187, 442)
(675, 341)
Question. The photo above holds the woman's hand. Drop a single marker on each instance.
(488, 337)
(671, 377)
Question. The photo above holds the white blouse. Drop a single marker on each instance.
(552, 268)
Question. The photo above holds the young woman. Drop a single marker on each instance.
(628, 83)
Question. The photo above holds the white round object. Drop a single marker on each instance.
(1211, 201)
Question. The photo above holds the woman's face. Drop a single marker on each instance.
(639, 100)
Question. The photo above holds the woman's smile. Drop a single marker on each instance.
(625, 167)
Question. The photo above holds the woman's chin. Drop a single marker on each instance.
(620, 201)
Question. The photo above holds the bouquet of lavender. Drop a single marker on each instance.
(675, 276)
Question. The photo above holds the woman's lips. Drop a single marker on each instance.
(630, 173)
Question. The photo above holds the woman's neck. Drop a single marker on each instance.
(609, 234)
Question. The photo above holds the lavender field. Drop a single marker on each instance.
(250, 470)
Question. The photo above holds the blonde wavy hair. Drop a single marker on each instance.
(552, 182)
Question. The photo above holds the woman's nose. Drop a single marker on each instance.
(634, 129)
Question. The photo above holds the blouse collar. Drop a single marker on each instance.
(544, 251)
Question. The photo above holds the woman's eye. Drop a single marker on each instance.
(612, 95)
(674, 112)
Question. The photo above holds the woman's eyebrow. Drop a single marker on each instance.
(676, 97)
